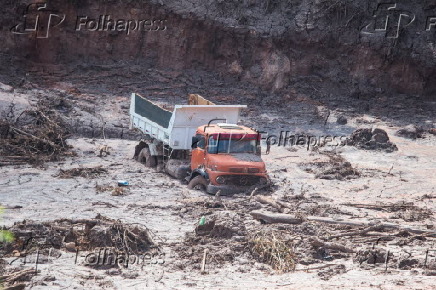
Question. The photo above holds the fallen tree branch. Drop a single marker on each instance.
(270, 201)
(34, 137)
(333, 246)
(358, 233)
(398, 206)
(271, 218)
(317, 268)
(17, 276)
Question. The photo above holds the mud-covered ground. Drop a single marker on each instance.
(75, 207)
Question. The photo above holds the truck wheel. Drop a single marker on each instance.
(198, 183)
(146, 158)
(138, 149)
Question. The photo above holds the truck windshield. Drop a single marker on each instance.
(231, 146)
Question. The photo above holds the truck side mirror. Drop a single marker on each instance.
(195, 141)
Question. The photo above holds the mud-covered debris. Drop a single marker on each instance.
(83, 235)
(413, 214)
(336, 168)
(330, 272)
(223, 224)
(402, 210)
(408, 264)
(411, 132)
(86, 172)
(371, 139)
(223, 234)
(371, 256)
(115, 190)
(118, 191)
(14, 279)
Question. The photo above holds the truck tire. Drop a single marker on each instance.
(138, 149)
(198, 182)
(146, 158)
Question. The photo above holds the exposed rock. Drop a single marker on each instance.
(342, 120)
(411, 132)
(379, 136)
(369, 139)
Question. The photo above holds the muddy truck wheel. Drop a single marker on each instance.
(146, 158)
(198, 183)
(138, 149)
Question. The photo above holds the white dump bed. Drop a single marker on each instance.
(177, 128)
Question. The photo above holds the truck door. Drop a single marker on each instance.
(198, 153)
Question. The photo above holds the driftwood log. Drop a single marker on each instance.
(328, 245)
(273, 218)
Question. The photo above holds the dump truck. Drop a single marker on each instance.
(201, 143)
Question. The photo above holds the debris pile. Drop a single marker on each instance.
(115, 190)
(34, 136)
(406, 211)
(223, 235)
(371, 139)
(336, 168)
(82, 234)
(91, 172)
(46, 240)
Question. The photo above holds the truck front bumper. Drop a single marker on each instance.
(233, 189)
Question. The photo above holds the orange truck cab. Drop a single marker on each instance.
(226, 158)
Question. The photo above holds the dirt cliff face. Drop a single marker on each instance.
(324, 46)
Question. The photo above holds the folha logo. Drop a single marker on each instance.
(38, 20)
(390, 20)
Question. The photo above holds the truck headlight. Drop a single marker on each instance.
(213, 167)
(221, 179)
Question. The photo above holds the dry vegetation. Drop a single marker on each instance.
(269, 247)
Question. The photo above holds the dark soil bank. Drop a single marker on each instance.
(338, 48)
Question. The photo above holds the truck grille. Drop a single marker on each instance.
(236, 170)
(244, 170)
